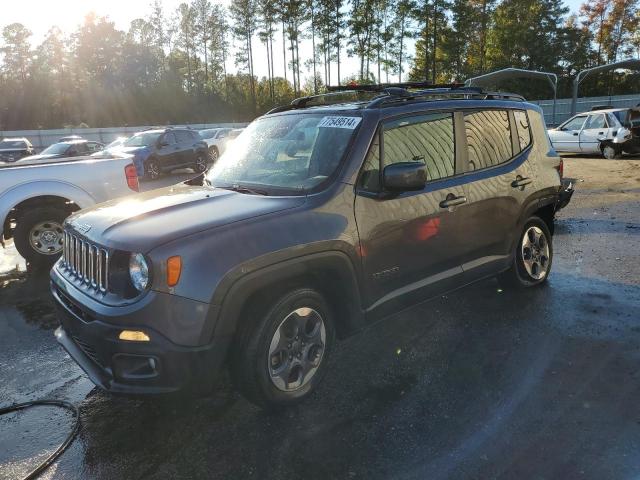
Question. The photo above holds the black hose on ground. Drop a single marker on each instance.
(56, 403)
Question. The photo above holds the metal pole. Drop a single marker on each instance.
(574, 100)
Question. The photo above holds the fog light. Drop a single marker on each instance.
(133, 336)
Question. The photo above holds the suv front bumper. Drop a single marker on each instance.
(130, 367)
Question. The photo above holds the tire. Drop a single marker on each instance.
(523, 273)
(272, 364)
(610, 152)
(214, 154)
(201, 164)
(152, 169)
(38, 235)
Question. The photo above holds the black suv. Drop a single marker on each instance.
(163, 150)
(317, 221)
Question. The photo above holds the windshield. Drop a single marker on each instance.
(292, 152)
(56, 149)
(13, 144)
(208, 133)
(116, 143)
(143, 139)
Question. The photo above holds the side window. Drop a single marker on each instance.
(488, 138)
(522, 126)
(370, 177)
(612, 120)
(169, 138)
(575, 123)
(81, 148)
(182, 136)
(595, 122)
(425, 138)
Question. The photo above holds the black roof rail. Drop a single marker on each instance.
(389, 93)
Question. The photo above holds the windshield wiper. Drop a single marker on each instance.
(244, 189)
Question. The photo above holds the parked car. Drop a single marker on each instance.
(13, 149)
(35, 198)
(608, 132)
(216, 139)
(113, 148)
(70, 138)
(164, 150)
(71, 148)
(324, 219)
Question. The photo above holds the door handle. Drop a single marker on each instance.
(452, 201)
(575, 134)
(600, 133)
(520, 182)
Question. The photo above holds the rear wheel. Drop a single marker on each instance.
(38, 235)
(533, 257)
(282, 353)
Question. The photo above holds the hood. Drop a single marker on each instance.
(144, 221)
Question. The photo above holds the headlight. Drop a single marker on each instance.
(138, 271)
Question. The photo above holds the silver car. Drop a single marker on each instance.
(608, 132)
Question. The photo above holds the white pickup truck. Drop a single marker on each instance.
(36, 197)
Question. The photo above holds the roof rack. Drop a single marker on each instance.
(390, 93)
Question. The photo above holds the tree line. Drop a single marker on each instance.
(196, 64)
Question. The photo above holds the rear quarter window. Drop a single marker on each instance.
(488, 138)
(523, 128)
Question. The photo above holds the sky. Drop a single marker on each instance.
(40, 15)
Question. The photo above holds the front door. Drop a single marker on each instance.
(409, 240)
(595, 130)
(567, 137)
(168, 151)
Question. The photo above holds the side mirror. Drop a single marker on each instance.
(404, 176)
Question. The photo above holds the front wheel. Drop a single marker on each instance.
(153, 169)
(38, 235)
(201, 163)
(533, 257)
(282, 353)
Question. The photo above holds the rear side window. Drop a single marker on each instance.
(488, 138)
(182, 136)
(427, 138)
(522, 126)
(596, 121)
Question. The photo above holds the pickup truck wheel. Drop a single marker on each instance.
(201, 163)
(152, 169)
(282, 356)
(38, 235)
(532, 259)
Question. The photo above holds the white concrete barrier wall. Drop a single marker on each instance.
(43, 138)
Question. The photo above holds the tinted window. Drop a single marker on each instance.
(522, 126)
(596, 121)
(427, 138)
(94, 147)
(183, 136)
(13, 144)
(575, 123)
(488, 138)
(170, 138)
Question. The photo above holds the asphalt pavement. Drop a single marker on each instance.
(480, 383)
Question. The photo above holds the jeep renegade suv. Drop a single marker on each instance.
(319, 220)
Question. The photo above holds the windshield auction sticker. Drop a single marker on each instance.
(340, 122)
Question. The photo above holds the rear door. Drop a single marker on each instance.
(186, 142)
(408, 239)
(566, 138)
(595, 130)
(168, 151)
(498, 180)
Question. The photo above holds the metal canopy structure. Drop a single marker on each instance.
(493, 78)
(629, 64)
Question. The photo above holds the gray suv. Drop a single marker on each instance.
(321, 218)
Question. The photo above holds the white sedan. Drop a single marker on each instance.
(602, 131)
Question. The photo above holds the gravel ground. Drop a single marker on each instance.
(476, 384)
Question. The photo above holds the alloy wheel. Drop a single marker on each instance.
(535, 253)
(297, 349)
